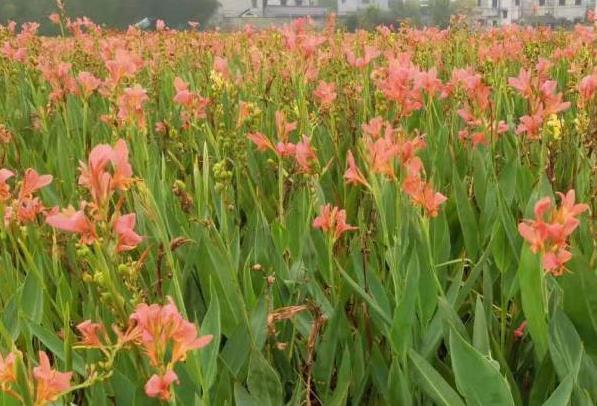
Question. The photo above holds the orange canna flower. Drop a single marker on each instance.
(130, 105)
(33, 182)
(353, 174)
(519, 332)
(332, 220)
(88, 83)
(163, 326)
(159, 386)
(554, 262)
(325, 93)
(283, 127)
(49, 383)
(7, 370)
(89, 333)
(522, 83)
(304, 154)
(5, 174)
(261, 141)
(587, 88)
(128, 239)
(74, 222)
(548, 233)
(96, 177)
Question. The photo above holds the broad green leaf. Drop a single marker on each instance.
(432, 383)
(530, 276)
(467, 217)
(405, 314)
(209, 354)
(480, 333)
(478, 378)
(561, 396)
(263, 381)
(565, 346)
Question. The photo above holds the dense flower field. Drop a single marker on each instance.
(298, 216)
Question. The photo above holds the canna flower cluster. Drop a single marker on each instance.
(302, 152)
(405, 84)
(163, 335)
(332, 220)
(25, 207)
(384, 146)
(45, 384)
(476, 108)
(106, 172)
(549, 232)
(130, 106)
(194, 106)
(541, 96)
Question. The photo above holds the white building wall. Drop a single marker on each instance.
(503, 12)
(352, 6)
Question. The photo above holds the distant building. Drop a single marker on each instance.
(555, 12)
(353, 6)
(263, 13)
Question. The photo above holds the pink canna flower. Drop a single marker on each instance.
(88, 83)
(75, 222)
(304, 154)
(381, 155)
(7, 371)
(32, 182)
(89, 332)
(587, 87)
(535, 236)
(548, 233)
(325, 93)
(96, 177)
(123, 65)
(554, 262)
(5, 174)
(522, 83)
(374, 127)
(54, 18)
(552, 101)
(183, 96)
(519, 332)
(162, 328)
(123, 171)
(160, 25)
(353, 175)
(285, 149)
(124, 227)
(430, 200)
(568, 208)
(28, 208)
(221, 66)
(531, 125)
(193, 104)
(130, 105)
(159, 386)
(50, 384)
(369, 54)
(283, 127)
(428, 81)
(261, 141)
(5, 135)
(332, 220)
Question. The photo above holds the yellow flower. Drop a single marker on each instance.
(555, 125)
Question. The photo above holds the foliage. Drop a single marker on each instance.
(291, 216)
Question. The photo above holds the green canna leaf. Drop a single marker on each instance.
(478, 378)
(432, 383)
